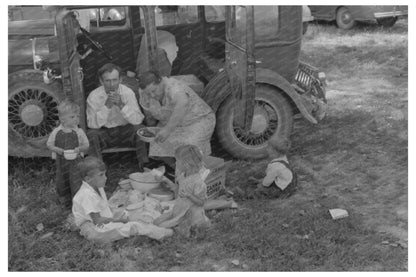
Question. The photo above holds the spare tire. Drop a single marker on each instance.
(32, 112)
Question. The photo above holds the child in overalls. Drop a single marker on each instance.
(188, 210)
(278, 172)
(67, 136)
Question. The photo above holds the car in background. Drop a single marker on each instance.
(217, 13)
(347, 16)
(306, 18)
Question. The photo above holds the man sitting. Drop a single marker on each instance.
(113, 115)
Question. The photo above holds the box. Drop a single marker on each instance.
(215, 185)
(215, 180)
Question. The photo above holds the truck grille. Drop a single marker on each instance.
(307, 79)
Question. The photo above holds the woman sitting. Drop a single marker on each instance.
(183, 116)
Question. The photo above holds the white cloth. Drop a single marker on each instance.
(98, 115)
(82, 138)
(87, 201)
(278, 174)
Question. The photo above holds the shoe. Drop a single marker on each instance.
(234, 205)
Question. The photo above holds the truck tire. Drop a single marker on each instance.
(386, 22)
(32, 112)
(344, 19)
(273, 118)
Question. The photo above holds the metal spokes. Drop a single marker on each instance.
(33, 112)
(252, 139)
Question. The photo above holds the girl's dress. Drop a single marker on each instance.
(185, 213)
(195, 128)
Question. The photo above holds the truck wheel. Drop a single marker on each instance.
(344, 19)
(32, 110)
(272, 118)
(386, 22)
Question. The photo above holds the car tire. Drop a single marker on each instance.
(272, 109)
(344, 19)
(32, 112)
(386, 22)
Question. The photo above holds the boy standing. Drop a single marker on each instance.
(67, 136)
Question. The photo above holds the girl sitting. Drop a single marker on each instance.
(188, 210)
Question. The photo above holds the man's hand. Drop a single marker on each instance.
(162, 135)
(109, 103)
(115, 98)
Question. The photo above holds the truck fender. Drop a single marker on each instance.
(218, 89)
(304, 105)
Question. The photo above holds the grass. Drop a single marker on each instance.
(356, 159)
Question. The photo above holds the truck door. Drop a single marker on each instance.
(240, 62)
(67, 28)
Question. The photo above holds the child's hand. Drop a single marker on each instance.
(59, 151)
(159, 178)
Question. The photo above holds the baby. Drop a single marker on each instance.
(278, 172)
(93, 214)
(67, 136)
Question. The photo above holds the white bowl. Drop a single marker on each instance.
(152, 130)
(70, 154)
(161, 194)
(143, 181)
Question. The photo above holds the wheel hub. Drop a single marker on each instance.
(263, 126)
(260, 121)
(346, 17)
(32, 114)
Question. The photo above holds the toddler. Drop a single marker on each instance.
(93, 214)
(278, 172)
(67, 136)
(188, 210)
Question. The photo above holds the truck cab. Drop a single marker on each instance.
(245, 57)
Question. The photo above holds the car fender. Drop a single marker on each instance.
(304, 105)
(218, 89)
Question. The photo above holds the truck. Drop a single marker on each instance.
(244, 64)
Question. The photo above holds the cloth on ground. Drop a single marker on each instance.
(88, 201)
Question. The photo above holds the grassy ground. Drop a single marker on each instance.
(356, 159)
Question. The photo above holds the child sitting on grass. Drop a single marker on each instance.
(188, 210)
(93, 215)
(67, 136)
(278, 172)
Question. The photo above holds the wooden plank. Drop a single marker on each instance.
(116, 150)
